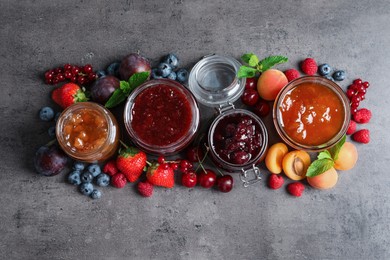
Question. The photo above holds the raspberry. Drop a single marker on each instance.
(309, 66)
(118, 180)
(110, 168)
(296, 189)
(362, 116)
(351, 128)
(145, 189)
(362, 136)
(292, 74)
(275, 181)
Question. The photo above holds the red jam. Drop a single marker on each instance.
(161, 115)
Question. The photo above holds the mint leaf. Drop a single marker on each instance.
(253, 61)
(319, 166)
(247, 57)
(246, 72)
(117, 97)
(137, 79)
(271, 61)
(124, 86)
(334, 151)
(324, 155)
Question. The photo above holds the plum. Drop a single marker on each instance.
(50, 160)
(133, 63)
(102, 88)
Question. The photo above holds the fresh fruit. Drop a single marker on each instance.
(164, 69)
(295, 164)
(347, 157)
(74, 178)
(73, 73)
(156, 74)
(46, 114)
(172, 76)
(102, 89)
(296, 189)
(131, 162)
(207, 178)
(51, 131)
(86, 177)
(133, 63)
(182, 75)
(189, 179)
(86, 188)
(261, 108)
(118, 180)
(325, 180)
(113, 69)
(362, 136)
(68, 94)
(309, 66)
(275, 181)
(94, 169)
(185, 165)
(225, 183)
(96, 194)
(362, 116)
(356, 93)
(251, 83)
(339, 75)
(324, 69)
(100, 74)
(110, 167)
(172, 60)
(249, 97)
(270, 83)
(274, 157)
(291, 74)
(161, 175)
(145, 189)
(50, 160)
(351, 127)
(103, 180)
(78, 166)
(194, 154)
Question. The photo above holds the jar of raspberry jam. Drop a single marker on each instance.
(237, 138)
(161, 117)
(88, 132)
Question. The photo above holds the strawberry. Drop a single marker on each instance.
(131, 162)
(68, 94)
(362, 136)
(145, 189)
(275, 181)
(296, 189)
(110, 167)
(161, 175)
(118, 180)
(309, 66)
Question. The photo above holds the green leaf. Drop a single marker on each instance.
(116, 98)
(319, 166)
(253, 61)
(246, 72)
(137, 79)
(271, 61)
(124, 86)
(247, 57)
(334, 151)
(324, 155)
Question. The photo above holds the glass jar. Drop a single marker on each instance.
(161, 117)
(88, 132)
(311, 113)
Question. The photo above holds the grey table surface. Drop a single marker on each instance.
(45, 218)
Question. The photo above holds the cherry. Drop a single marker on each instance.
(250, 97)
(250, 83)
(240, 157)
(225, 183)
(261, 108)
(207, 179)
(194, 154)
(189, 178)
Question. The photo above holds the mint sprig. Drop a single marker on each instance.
(126, 87)
(325, 159)
(255, 66)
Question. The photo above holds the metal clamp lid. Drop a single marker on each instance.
(254, 172)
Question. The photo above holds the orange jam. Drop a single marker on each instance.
(311, 114)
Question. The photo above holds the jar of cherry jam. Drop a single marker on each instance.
(88, 132)
(237, 138)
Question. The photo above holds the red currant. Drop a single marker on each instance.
(67, 67)
(185, 165)
(87, 68)
(207, 179)
(75, 70)
(189, 179)
(161, 159)
(366, 84)
(357, 81)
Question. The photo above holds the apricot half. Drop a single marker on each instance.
(270, 83)
(274, 157)
(295, 164)
(325, 180)
(347, 157)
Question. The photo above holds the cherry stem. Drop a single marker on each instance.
(201, 162)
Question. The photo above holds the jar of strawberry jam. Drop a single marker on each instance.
(88, 132)
(237, 138)
(161, 117)
(311, 113)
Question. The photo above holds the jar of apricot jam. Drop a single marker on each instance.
(88, 132)
(161, 117)
(311, 113)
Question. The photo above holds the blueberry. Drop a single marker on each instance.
(339, 75)
(156, 74)
(324, 69)
(172, 76)
(78, 166)
(182, 75)
(74, 178)
(51, 131)
(86, 188)
(172, 60)
(329, 77)
(96, 194)
(57, 116)
(94, 169)
(101, 73)
(86, 177)
(103, 180)
(46, 113)
(165, 69)
(113, 69)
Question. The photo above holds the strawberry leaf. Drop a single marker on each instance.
(319, 166)
(270, 61)
(246, 72)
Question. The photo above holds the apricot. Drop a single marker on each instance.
(274, 157)
(270, 83)
(295, 164)
(347, 157)
(325, 180)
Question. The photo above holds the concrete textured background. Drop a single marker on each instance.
(45, 218)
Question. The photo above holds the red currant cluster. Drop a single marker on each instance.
(356, 93)
(251, 98)
(76, 74)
